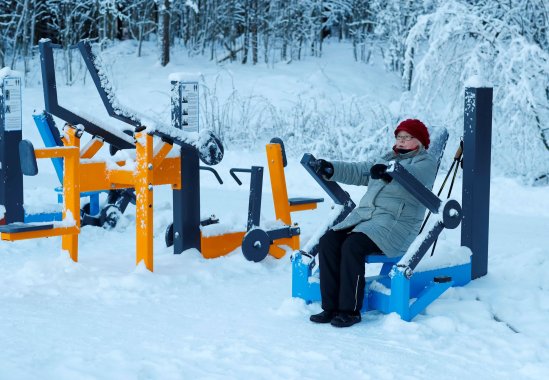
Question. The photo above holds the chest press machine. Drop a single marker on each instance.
(401, 286)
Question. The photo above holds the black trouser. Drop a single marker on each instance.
(341, 259)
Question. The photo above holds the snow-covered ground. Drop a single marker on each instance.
(229, 318)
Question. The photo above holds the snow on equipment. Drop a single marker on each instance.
(258, 242)
(402, 286)
(152, 166)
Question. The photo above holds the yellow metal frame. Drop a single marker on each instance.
(152, 168)
(220, 245)
(71, 197)
(282, 206)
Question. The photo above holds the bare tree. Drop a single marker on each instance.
(164, 31)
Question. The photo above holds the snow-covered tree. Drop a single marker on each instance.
(393, 21)
(459, 41)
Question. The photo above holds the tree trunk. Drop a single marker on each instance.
(410, 70)
(140, 39)
(255, 21)
(165, 34)
(246, 39)
(245, 47)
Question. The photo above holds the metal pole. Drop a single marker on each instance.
(11, 177)
(186, 201)
(477, 143)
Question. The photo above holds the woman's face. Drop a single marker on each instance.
(404, 140)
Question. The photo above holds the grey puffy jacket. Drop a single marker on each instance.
(387, 213)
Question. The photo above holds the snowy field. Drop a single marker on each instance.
(193, 318)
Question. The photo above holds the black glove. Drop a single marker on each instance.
(379, 171)
(323, 167)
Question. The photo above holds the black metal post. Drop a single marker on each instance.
(477, 143)
(11, 177)
(186, 202)
(254, 204)
(119, 140)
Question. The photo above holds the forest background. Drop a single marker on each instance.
(435, 47)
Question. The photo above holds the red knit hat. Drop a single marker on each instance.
(417, 129)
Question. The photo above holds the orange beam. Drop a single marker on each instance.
(94, 177)
(58, 231)
(71, 193)
(144, 199)
(92, 147)
(121, 177)
(168, 172)
(53, 152)
(303, 207)
(161, 150)
(220, 245)
(278, 183)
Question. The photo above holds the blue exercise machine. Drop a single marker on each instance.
(401, 286)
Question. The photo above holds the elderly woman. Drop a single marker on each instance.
(386, 221)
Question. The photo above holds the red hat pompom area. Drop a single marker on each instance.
(417, 129)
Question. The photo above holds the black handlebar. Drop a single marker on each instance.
(216, 174)
(238, 170)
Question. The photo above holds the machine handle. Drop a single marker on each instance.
(238, 170)
(215, 173)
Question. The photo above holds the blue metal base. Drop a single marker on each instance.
(387, 293)
(93, 196)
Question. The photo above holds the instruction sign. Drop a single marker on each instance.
(11, 103)
(189, 106)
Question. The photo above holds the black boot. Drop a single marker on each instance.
(345, 319)
(323, 317)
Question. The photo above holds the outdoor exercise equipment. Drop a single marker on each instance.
(11, 183)
(10, 135)
(152, 166)
(91, 212)
(400, 286)
(258, 242)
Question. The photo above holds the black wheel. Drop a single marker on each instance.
(212, 150)
(85, 209)
(110, 215)
(168, 237)
(255, 245)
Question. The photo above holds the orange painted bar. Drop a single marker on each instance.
(161, 150)
(303, 207)
(144, 199)
(91, 148)
(121, 177)
(220, 245)
(52, 152)
(278, 183)
(58, 231)
(71, 192)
